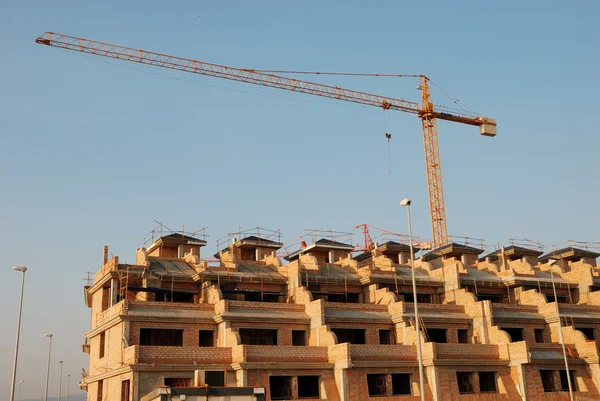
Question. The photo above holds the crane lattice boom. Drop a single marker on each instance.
(425, 110)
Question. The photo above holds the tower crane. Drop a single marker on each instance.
(424, 110)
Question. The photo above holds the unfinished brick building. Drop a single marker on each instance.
(332, 325)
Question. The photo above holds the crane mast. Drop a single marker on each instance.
(435, 188)
(425, 110)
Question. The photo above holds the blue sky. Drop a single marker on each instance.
(93, 150)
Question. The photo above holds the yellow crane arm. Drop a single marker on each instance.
(425, 110)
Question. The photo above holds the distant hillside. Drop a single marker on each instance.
(73, 397)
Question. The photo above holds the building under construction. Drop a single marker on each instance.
(324, 321)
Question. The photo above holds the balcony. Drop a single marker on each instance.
(551, 351)
(261, 311)
(106, 315)
(281, 354)
(397, 352)
(183, 355)
(466, 351)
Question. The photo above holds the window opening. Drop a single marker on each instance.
(377, 384)
(548, 380)
(258, 336)
(385, 337)
(401, 383)
(178, 382)
(308, 387)
(99, 396)
(539, 335)
(353, 298)
(515, 333)
(463, 336)
(280, 387)
(564, 384)
(588, 332)
(102, 344)
(352, 336)
(465, 382)
(299, 337)
(182, 297)
(125, 390)
(493, 298)
(421, 298)
(437, 335)
(214, 378)
(161, 337)
(561, 299)
(487, 382)
(206, 338)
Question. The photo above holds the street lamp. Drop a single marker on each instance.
(20, 383)
(406, 202)
(48, 370)
(21, 269)
(60, 380)
(68, 386)
(551, 263)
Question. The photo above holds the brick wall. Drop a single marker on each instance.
(184, 355)
(358, 386)
(328, 388)
(111, 388)
(284, 330)
(113, 350)
(190, 331)
(505, 384)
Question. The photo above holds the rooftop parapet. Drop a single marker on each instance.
(397, 252)
(252, 245)
(570, 254)
(463, 251)
(325, 250)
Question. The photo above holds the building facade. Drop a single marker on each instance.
(329, 324)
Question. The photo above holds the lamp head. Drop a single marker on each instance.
(21, 269)
(551, 262)
(21, 381)
(48, 335)
(405, 202)
(59, 361)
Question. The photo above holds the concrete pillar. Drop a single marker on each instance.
(595, 373)
(135, 393)
(241, 377)
(522, 385)
(341, 380)
(114, 292)
(433, 380)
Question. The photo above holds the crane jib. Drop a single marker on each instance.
(428, 115)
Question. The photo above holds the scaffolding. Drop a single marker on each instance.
(585, 245)
(162, 230)
(259, 233)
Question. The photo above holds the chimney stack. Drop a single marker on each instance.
(105, 255)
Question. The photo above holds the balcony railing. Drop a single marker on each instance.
(466, 351)
(266, 353)
(184, 355)
(397, 352)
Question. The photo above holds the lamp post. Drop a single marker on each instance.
(60, 380)
(21, 269)
(49, 336)
(551, 263)
(20, 383)
(406, 202)
(68, 386)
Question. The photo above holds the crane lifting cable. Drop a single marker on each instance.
(424, 110)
